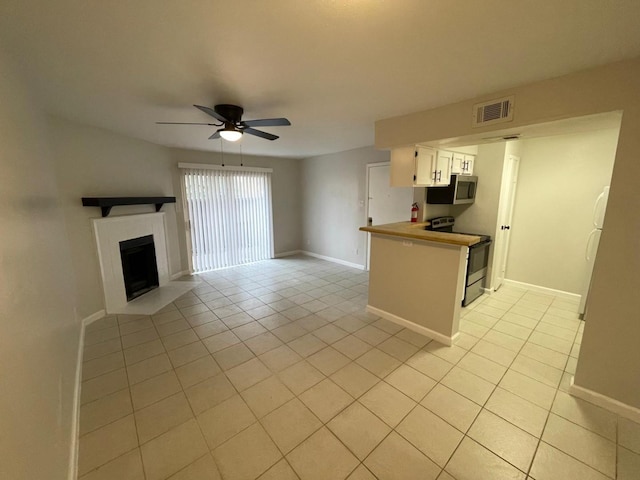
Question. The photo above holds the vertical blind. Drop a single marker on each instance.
(229, 214)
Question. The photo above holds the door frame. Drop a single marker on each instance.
(367, 243)
(509, 181)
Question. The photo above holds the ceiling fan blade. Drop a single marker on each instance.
(215, 135)
(267, 122)
(187, 123)
(212, 112)
(260, 133)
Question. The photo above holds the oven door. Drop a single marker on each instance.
(478, 262)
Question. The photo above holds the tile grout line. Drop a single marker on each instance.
(351, 360)
(166, 351)
(492, 392)
(557, 388)
(133, 410)
(549, 412)
(419, 403)
(259, 420)
(238, 393)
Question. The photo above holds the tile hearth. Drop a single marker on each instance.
(274, 371)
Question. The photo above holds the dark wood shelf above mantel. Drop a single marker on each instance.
(105, 203)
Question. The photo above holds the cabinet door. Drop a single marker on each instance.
(425, 167)
(442, 170)
(469, 161)
(468, 165)
(457, 164)
(403, 166)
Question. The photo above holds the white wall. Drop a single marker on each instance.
(39, 331)
(560, 177)
(285, 191)
(333, 198)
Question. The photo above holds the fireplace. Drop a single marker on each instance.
(110, 234)
(139, 268)
(144, 265)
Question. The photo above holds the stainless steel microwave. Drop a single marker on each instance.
(461, 190)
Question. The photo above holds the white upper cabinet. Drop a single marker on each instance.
(442, 170)
(420, 167)
(462, 164)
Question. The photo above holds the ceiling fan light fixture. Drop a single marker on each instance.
(231, 134)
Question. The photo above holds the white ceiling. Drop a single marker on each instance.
(332, 67)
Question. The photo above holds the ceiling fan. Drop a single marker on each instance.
(230, 118)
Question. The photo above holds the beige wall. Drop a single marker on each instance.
(92, 162)
(482, 215)
(609, 363)
(333, 191)
(560, 177)
(403, 270)
(285, 186)
(39, 331)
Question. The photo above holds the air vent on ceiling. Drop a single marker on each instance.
(494, 111)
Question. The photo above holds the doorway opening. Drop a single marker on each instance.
(541, 229)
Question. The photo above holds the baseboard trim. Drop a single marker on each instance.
(287, 254)
(608, 403)
(75, 426)
(92, 318)
(427, 332)
(175, 276)
(332, 259)
(546, 290)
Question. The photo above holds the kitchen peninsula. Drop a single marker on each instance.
(416, 277)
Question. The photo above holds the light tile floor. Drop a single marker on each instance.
(274, 371)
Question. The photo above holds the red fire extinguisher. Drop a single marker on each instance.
(414, 213)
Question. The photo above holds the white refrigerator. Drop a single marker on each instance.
(593, 240)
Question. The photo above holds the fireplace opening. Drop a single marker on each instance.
(139, 266)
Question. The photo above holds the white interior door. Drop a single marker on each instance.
(505, 215)
(386, 204)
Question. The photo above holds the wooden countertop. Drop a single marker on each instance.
(417, 232)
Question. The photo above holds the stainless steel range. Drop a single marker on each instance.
(477, 259)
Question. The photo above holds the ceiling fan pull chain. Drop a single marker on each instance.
(222, 150)
(241, 157)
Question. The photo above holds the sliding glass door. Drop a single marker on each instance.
(229, 215)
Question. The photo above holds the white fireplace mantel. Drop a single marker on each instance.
(109, 232)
